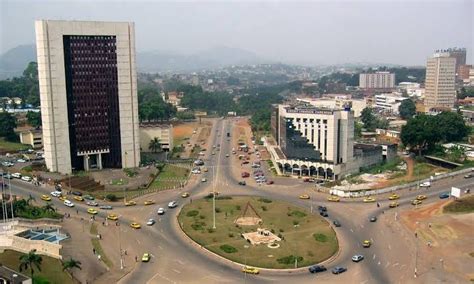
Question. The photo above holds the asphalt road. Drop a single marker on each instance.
(174, 259)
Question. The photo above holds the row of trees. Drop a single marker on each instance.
(151, 106)
(33, 261)
(371, 121)
(24, 87)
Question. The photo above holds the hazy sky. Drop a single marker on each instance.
(310, 32)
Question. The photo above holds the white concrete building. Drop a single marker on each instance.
(440, 81)
(164, 133)
(389, 102)
(88, 90)
(337, 102)
(377, 80)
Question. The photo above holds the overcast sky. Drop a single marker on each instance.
(310, 32)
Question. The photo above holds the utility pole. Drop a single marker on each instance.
(11, 196)
(214, 201)
(120, 248)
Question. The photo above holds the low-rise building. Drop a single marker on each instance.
(8, 276)
(33, 138)
(468, 115)
(389, 102)
(150, 131)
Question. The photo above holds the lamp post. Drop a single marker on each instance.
(416, 249)
(120, 248)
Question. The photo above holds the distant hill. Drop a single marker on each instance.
(15, 60)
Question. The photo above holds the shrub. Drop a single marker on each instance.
(310, 253)
(289, 259)
(198, 226)
(320, 237)
(265, 200)
(218, 210)
(237, 207)
(228, 248)
(295, 222)
(231, 235)
(224, 197)
(281, 230)
(202, 217)
(273, 231)
(264, 208)
(111, 197)
(297, 213)
(192, 213)
(210, 230)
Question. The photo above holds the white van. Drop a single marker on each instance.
(16, 175)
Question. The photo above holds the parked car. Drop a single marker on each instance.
(470, 175)
(270, 182)
(16, 175)
(322, 208)
(245, 175)
(56, 193)
(92, 203)
(172, 204)
(338, 270)
(323, 213)
(317, 268)
(425, 184)
(444, 195)
(357, 258)
(242, 183)
(336, 223)
(250, 270)
(26, 178)
(77, 193)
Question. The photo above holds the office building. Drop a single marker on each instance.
(337, 101)
(33, 137)
(459, 54)
(389, 102)
(463, 72)
(440, 79)
(377, 80)
(88, 91)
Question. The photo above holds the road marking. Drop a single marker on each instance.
(395, 264)
(352, 230)
(371, 239)
(374, 256)
(161, 276)
(138, 241)
(180, 262)
(362, 226)
(388, 263)
(389, 247)
(160, 247)
(378, 263)
(177, 271)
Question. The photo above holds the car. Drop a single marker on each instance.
(421, 197)
(369, 199)
(56, 193)
(270, 182)
(425, 184)
(373, 219)
(250, 270)
(205, 170)
(146, 257)
(245, 175)
(470, 175)
(45, 197)
(92, 211)
(227, 155)
(196, 171)
(444, 195)
(135, 225)
(338, 270)
(16, 175)
(243, 183)
(62, 197)
(89, 197)
(366, 243)
(112, 217)
(336, 223)
(184, 195)
(8, 176)
(106, 207)
(393, 204)
(21, 161)
(68, 203)
(245, 162)
(172, 204)
(203, 180)
(357, 258)
(149, 202)
(78, 198)
(77, 193)
(130, 203)
(393, 197)
(150, 222)
(322, 208)
(323, 213)
(213, 153)
(161, 211)
(92, 203)
(304, 196)
(416, 202)
(26, 178)
(317, 268)
(333, 198)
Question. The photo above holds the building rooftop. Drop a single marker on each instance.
(7, 273)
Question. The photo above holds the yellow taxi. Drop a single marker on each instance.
(146, 257)
(366, 243)
(135, 225)
(45, 197)
(184, 195)
(78, 198)
(130, 203)
(149, 202)
(112, 217)
(334, 198)
(92, 211)
(304, 196)
(394, 197)
(416, 202)
(393, 204)
(250, 270)
(369, 199)
(62, 197)
(421, 197)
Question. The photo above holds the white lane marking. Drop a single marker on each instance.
(177, 271)
(138, 241)
(180, 262)
(374, 256)
(389, 247)
(352, 230)
(395, 264)
(161, 276)
(386, 265)
(378, 263)
(362, 226)
(160, 247)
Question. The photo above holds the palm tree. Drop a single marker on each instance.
(30, 198)
(155, 145)
(30, 260)
(49, 207)
(71, 264)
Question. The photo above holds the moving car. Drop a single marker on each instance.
(323, 213)
(425, 184)
(227, 155)
(78, 198)
(172, 204)
(68, 203)
(149, 202)
(112, 217)
(21, 161)
(89, 197)
(393, 204)
(369, 199)
(416, 202)
(135, 225)
(78, 193)
(16, 175)
(106, 207)
(26, 178)
(203, 180)
(130, 203)
(334, 198)
(304, 196)
(393, 196)
(161, 211)
(184, 195)
(250, 270)
(421, 197)
(146, 257)
(92, 211)
(317, 268)
(270, 182)
(357, 258)
(470, 175)
(45, 197)
(444, 195)
(338, 270)
(150, 222)
(242, 183)
(336, 223)
(373, 219)
(366, 243)
(56, 193)
(92, 203)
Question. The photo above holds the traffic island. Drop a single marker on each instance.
(285, 236)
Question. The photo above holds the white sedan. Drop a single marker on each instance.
(161, 211)
(56, 193)
(26, 178)
(425, 184)
(68, 203)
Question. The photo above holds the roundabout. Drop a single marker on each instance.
(258, 231)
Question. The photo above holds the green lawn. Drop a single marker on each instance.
(305, 236)
(98, 247)
(170, 176)
(51, 268)
(463, 205)
(12, 146)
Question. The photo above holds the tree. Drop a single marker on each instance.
(185, 115)
(30, 260)
(419, 133)
(34, 118)
(154, 145)
(407, 109)
(457, 153)
(451, 126)
(70, 264)
(368, 119)
(49, 208)
(30, 199)
(7, 126)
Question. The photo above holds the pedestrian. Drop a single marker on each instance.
(77, 211)
(136, 258)
(103, 223)
(378, 204)
(100, 236)
(429, 225)
(98, 256)
(93, 250)
(416, 235)
(125, 251)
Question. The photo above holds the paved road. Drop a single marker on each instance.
(389, 259)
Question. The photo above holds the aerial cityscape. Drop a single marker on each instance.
(237, 142)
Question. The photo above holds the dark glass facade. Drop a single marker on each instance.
(294, 145)
(92, 98)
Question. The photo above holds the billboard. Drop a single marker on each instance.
(456, 192)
